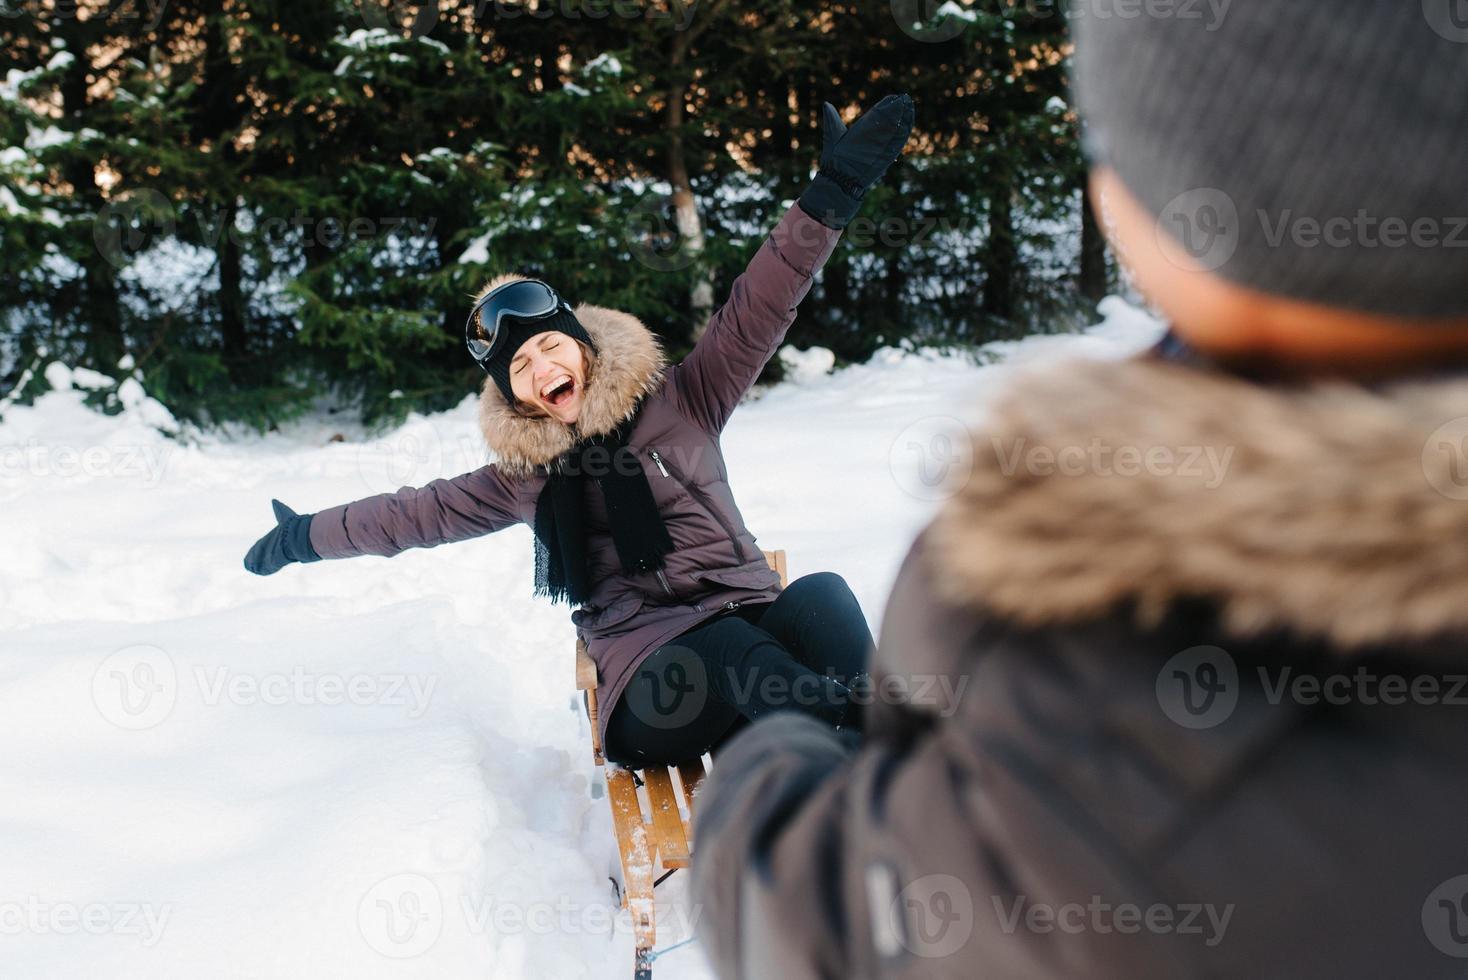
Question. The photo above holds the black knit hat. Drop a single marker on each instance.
(517, 331)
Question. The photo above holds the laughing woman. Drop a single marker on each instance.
(613, 458)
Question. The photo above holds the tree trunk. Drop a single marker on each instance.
(685, 207)
(233, 335)
(1002, 257)
(99, 307)
(549, 71)
(1095, 283)
(786, 159)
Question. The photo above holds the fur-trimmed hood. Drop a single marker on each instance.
(630, 363)
(1333, 510)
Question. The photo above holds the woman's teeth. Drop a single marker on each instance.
(558, 391)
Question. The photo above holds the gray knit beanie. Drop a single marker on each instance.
(1309, 149)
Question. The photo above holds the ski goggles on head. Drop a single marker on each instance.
(525, 299)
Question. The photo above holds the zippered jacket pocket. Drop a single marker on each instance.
(666, 468)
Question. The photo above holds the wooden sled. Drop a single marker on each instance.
(652, 813)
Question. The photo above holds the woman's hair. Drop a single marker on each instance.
(588, 358)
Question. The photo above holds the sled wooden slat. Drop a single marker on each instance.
(667, 822)
(690, 774)
(636, 854)
(653, 828)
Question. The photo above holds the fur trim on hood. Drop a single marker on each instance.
(1331, 509)
(629, 364)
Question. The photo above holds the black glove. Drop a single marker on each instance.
(853, 160)
(288, 541)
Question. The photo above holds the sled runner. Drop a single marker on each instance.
(652, 812)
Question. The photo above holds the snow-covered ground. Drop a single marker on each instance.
(363, 768)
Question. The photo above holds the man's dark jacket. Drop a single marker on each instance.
(1172, 687)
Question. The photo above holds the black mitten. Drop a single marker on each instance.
(288, 541)
(854, 159)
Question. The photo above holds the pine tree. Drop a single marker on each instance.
(260, 203)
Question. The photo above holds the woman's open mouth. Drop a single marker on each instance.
(558, 391)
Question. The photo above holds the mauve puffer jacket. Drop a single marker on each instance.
(715, 559)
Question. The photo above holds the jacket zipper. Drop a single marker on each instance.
(697, 494)
(661, 577)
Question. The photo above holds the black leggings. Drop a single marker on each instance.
(800, 652)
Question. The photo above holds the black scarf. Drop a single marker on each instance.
(638, 531)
